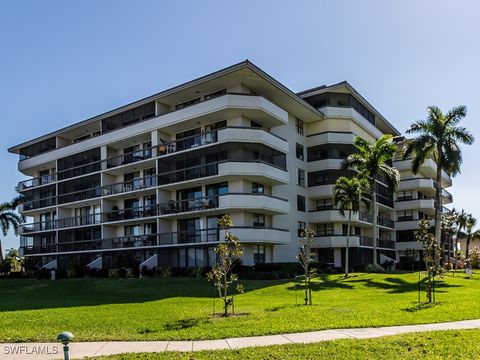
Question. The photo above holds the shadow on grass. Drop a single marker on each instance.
(395, 285)
(43, 294)
(183, 324)
(332, 282)
(421, 306)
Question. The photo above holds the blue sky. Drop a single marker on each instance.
(64, 61)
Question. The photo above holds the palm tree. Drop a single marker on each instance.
(438, 137)
(461, 224)
(8, 217)
(470, 234)
(371, 161)
(349, 194)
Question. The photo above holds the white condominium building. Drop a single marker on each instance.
(144, 184)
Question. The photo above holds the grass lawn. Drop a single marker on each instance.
(181, 308)
(462, 344)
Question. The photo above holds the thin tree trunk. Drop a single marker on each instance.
(348, 242)
(374, 221)
(467, 246)
(455, 251)
(438, 202)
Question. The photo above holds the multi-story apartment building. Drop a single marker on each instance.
(144, 184)
(415, 199)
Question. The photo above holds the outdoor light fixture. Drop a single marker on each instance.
(65, 337)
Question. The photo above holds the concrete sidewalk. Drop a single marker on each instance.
(78, 350)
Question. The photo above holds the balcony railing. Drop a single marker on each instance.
(190, 237)
(386, 222)
(166, 208)
(164, 148)
(382, 243)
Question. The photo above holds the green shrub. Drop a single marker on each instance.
(374, 268)
(163, 272)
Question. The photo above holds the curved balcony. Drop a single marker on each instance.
(416, 184)
(321, 191)
(429, 168)
(324, 164)
(330, 138)
(409, 223)
(332, 215)
(427, 205)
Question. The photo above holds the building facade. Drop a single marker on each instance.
(144, 185)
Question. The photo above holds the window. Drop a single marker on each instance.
(325, 229)
(299, 126)
(259, 220)
(302, 226)
(406, 215)
(133, 230)
(215, 94)
(301, 177)
(404, 195)
(300, 152)
(300, 203)
(405, 235)
(257, 188)
(259, 254)
(187, 103)
(324, 204)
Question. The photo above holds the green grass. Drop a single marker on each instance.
(181, 308)
(462, 344)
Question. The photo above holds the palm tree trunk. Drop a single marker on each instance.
(438, 203)
(348, 242)
(467, 246)
(455, 252)
(374, 221)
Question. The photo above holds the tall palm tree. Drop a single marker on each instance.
(371, 161)
(9, 218)
(348, 195)
(470, 234)
(438, 137)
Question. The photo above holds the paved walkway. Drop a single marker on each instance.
(30, 351)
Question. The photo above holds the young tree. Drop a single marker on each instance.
(438, 137)
(475, 257)
(348, 195)
(228, 251)
(431, 252)
(305, 258)
(13, 261)
(371, 160)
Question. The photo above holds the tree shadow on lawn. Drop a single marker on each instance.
(18, 295)
(327, 283)
(395, 285)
